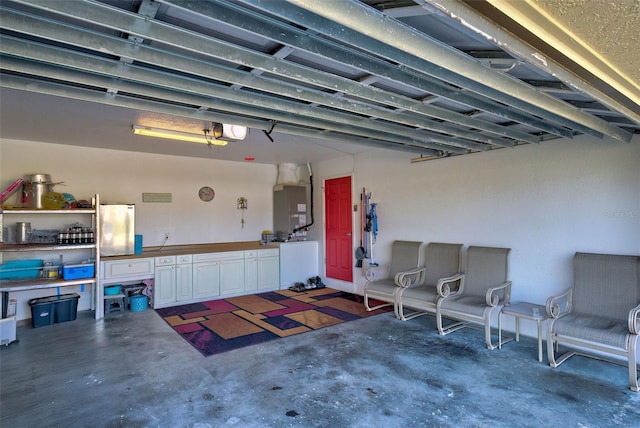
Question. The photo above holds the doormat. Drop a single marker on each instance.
(222, 325)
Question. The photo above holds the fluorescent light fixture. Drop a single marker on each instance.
(228, 132)
(177, 135)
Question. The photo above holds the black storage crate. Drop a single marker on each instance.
(67, 307)
(47, 310)
(42, 311)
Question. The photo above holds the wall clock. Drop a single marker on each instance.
(206, 193)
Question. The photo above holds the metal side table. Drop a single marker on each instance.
(526, 310)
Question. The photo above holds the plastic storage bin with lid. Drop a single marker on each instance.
(47, 310)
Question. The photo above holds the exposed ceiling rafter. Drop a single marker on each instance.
(413, 76)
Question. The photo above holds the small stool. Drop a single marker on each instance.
(114, 303)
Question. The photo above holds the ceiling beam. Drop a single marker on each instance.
(457, 124)
(145, 54)
(359, 17)
(208, 95)
(472, 19)
(118, 100)
(290, 35)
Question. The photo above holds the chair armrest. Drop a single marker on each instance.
(443, 284)
(411, 278)
(559, 305)
(492, 297)
(634, 320)
(377, 272)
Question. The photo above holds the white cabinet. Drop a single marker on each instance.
(250, 270)
(164, 286)
(206, 279)
(268, 269)
(232, 275)
(202, 276)
(126, 270)
(261, 270)
(217, 274)
(164, 283)
(173, 280)
(298, 262)
(184, 278)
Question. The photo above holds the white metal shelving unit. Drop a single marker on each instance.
(8, 286)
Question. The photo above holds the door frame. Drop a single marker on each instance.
(332, 282)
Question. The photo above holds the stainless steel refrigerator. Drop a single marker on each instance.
(117, 229)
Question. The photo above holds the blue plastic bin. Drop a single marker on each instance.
(79, 271)
(54, 309)
(138, 302)
(18, 269)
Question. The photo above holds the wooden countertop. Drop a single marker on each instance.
(175, 250)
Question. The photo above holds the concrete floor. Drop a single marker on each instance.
(132, 370)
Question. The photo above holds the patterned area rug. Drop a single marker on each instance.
(222, 325)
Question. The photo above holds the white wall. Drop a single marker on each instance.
(123, 176)
(545, 202)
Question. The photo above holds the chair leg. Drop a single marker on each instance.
(444, 330)
(397, 303)
(633, 368)
(400, 311)
(551, 351)
(366, 302)
(487, 338)
(409, 316)
(553, 347)
(556, 361)
(400, 314)
(439, 323)
(487, 329)
(369, 308)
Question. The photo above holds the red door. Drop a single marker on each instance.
(339, 227)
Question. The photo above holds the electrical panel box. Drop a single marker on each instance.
(289, 210)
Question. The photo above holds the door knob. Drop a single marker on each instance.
(349, 234)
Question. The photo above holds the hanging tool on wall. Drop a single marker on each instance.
(360, 251)
(372, 226)
(373, 218)
(241, 204)
(366, 225)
